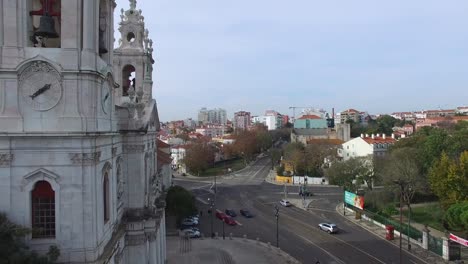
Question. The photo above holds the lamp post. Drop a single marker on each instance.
(277, 218)
(224, 237)
(211, 213)
(409, 221)
(400, 183)
(344, 200)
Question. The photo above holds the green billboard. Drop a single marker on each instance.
(354, 200)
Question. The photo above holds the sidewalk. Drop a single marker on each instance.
(416, 250)
(219, 251)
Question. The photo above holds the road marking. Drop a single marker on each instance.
(237, 222)
(324, 250)
(202, 201)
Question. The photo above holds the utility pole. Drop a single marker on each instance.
(277, 218)
(400, 183)
(211, 215)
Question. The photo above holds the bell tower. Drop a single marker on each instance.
(133, 59)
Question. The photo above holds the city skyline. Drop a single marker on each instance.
(375, 57)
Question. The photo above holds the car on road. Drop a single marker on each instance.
(328, 227)
(305, 193)
(189, 222)
(228, 220)
(192, 233)
(230, 212)
(285, 203)
(220, 215)
(246, 213)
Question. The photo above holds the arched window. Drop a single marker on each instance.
(43, 210)
(105, 193)
(128, 79)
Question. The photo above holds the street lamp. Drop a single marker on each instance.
(211, 213)
(277, 218)
(400, 183)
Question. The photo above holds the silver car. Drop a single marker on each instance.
(192, 233)
(328, 227)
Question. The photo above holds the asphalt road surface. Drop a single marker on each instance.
(298, 232)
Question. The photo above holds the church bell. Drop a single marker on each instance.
(47, 27)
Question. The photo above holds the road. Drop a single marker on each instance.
(299, 235)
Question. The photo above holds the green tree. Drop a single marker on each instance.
(402, 170)
(199, 157)
(280, 170)
(180, 202)
(456, 217)
(449, 179)
(344, 173)
(275, 156)
(13, 249)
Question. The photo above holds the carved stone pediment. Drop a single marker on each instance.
(131, 149)
(6, 159)
(86, 159)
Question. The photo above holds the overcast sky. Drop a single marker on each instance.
(254, 55)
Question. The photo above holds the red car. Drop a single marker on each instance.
(221, 215)
(228, 220)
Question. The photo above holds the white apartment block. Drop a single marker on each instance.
(373, 145)
(269, 121)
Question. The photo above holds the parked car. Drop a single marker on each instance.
(189, 222)
(305, 193)
(285, 203)
(328, 227)
(228, 220)
(246, 213)
(220, 215)
(192, 233)
(195, 217)
(230, 212)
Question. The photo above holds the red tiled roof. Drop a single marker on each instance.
(162, 144)
(164, 158)
(377, 140)
(351, 111)
(310, 117)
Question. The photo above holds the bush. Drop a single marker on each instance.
(280, 170)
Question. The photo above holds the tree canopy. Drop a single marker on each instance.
(180, 202)
(13, 249)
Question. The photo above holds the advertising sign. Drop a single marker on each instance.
(354, 200)
(459, 240)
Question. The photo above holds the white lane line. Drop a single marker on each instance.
(238, 223)
(202, 201)
(324, 250)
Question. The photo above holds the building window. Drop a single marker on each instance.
(43, 210)
(105, 192)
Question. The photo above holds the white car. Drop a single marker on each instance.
(192, 233)
(328, 227)
(285, 203)
(189, 222)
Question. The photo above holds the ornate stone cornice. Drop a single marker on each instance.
(6, 159)
(130, 149)
(86, 159)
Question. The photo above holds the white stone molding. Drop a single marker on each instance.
(86, 159)
(40, 175)
(27, 185)
(6, 159)
(132, 149)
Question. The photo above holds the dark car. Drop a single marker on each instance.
(305, 193)
(228, 220)
(230, 212)
(246, 213)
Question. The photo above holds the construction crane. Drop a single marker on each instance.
(294, 109)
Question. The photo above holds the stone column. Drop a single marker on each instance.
(89, 34)
(425, 237)
(445, 248)
(70, 19)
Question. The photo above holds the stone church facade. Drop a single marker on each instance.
(78, 123)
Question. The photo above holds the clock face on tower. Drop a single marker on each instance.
(41, 86)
